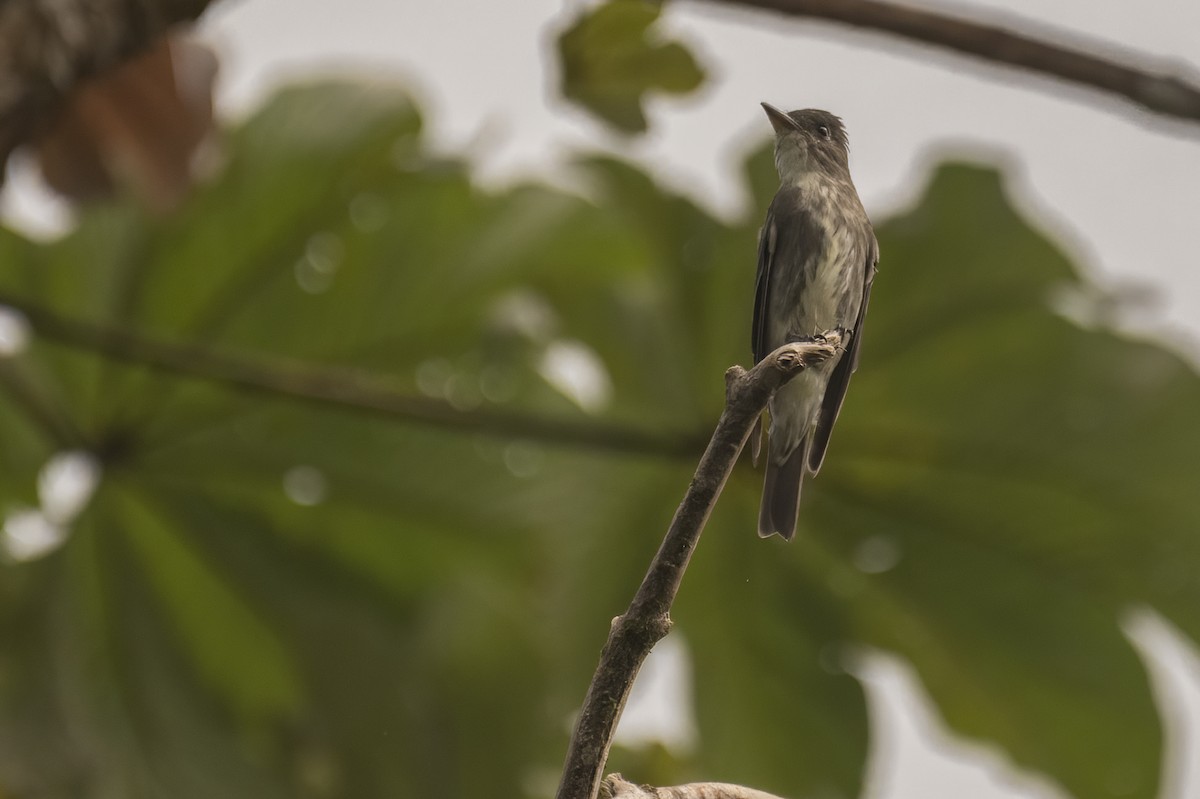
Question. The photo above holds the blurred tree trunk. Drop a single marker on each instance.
(47, 47)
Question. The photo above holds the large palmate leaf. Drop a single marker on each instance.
(273, 597)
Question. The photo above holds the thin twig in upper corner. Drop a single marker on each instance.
(1138, 78)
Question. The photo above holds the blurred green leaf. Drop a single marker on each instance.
(273, 598)
(988, 447)
(231, 648)
(767, 644)
(609, 60)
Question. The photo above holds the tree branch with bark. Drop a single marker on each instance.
(1154, 84)
(634, 633)
(617, 787)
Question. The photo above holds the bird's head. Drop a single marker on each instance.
(808, 141)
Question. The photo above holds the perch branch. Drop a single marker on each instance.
(342, 387)
(617, 787)
(634, 633)
(1136, 78)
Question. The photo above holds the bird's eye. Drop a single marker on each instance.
(824, 131)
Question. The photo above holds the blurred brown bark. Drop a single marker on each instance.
(47, 47)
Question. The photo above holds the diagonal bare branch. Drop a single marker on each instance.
(634, 633)
(1151, 83)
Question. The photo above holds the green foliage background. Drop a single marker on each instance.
(427, 627)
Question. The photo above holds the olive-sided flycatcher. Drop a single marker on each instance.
(816, 259)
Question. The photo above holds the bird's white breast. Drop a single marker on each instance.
(838, 270)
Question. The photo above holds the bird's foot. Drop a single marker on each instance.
(838, 338)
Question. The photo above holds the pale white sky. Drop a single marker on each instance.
(1122, 190)
(1119, 188)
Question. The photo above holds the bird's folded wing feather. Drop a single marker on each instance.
(839, 381)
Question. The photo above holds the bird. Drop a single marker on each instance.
(817, 258)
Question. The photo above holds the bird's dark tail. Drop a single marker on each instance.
(781, 494)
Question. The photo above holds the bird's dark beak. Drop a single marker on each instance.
(779, 120)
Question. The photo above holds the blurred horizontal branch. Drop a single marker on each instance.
(341, 387)
(1136, 78)
(47, 47)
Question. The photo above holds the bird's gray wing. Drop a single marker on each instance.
(835, 390)
(789, 239)
(762, 285)
(788, 233)
(758, 330)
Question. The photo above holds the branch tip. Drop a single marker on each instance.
(1156, 85)
(617, 787)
